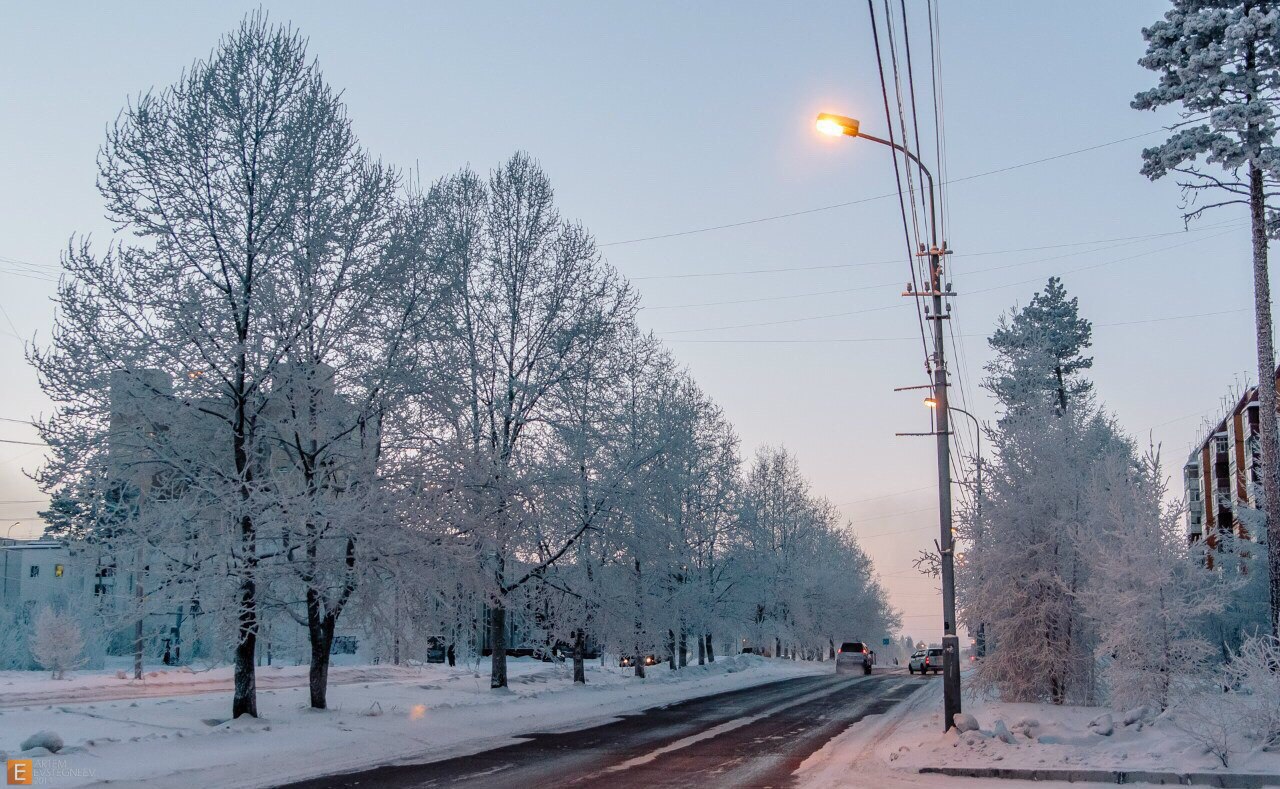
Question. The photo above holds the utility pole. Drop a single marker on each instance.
(942, 429)
(840, 125)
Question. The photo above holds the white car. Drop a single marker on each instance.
(854, 655)
(925, 660)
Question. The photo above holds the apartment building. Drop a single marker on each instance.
(1222, 476)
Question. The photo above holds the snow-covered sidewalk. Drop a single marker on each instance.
(33, 688)
(890, 750)
(386, 716)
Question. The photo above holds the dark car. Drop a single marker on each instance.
(627, 661)
(854, 655)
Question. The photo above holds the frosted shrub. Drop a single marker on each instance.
(1254, 677)
(56, 642)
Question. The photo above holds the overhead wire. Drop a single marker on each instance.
(1002, 286)
(805, 340)
(884, 92)
(952, 326)
(887, 195)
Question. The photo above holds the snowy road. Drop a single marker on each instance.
(753, 737)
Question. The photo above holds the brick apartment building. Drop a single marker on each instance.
(1223, 476)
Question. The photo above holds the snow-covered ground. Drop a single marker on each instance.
(170, 731)
(889, 750)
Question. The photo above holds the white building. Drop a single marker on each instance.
(44, 572)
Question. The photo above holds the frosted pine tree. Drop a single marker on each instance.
(1219, 62)
(1022, 579)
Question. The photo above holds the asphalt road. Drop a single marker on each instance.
(755, 737)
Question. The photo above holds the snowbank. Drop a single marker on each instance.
(379, 715)
(894, 747)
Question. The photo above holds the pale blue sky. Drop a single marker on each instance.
(661, 117)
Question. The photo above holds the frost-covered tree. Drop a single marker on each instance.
(1147, 591)
(1025, 578)
(804, 581)
(528, 302)
(1028, 563)
(56, 642)
(1039, 352)
(245, 212)
(1219, 62)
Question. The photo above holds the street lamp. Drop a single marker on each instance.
(977, 432)
(837, 126)
(981, 635)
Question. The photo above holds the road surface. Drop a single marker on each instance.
(755, 737)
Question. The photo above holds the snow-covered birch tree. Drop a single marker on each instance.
(221, 185)
(529, 301)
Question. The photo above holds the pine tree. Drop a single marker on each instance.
(1219, 61)
(1039, 349)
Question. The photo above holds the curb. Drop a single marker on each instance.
(1225, 780)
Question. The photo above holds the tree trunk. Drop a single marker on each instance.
(711, 653)
(138, 636)
(638, 654)
(579, 667)
(684, 649)
(832, 646)
(702, 651)
(1266, 389)
(671, 649)
(498, 642)
(320, 628)
(245, 701)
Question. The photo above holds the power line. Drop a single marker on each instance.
(886, 196)
(970, 292)
(893, 515)
(903, 339)
(884, 496)
(1111, 244)
(788, 320)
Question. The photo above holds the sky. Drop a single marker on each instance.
(655, 119)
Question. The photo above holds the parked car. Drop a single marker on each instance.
(627, 661)
(437, 649)
(926, 660)
(854, 655)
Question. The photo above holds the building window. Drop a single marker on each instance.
(35, 570)
(1220, 445)
(57, 571)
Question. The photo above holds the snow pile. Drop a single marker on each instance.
(1023, 735)
(378, 715)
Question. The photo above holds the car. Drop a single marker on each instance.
(854, 655)
(926, 660)
(627, 661)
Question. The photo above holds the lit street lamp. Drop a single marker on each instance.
(842, 126)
